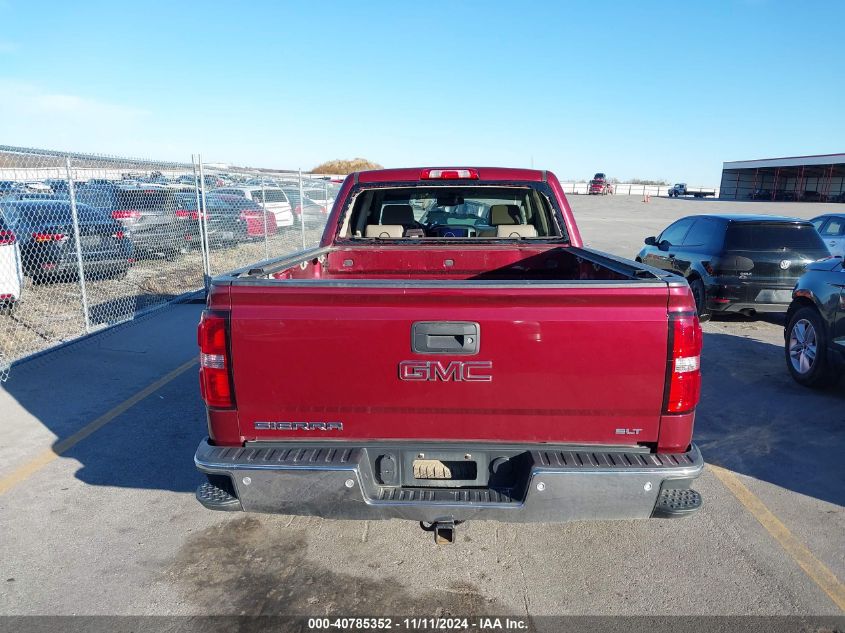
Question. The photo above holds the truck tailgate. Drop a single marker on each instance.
(568, 363)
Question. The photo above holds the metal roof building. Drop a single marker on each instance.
(801, 178)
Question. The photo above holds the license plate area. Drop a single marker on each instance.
(444, 469)
(774, 295)
(436, 469)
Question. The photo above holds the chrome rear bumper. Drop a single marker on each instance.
(340, 481)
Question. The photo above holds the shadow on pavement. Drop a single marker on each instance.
(124, 307)
(148, 445)
(755, 420)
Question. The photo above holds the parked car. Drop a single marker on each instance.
(839, 197)
(229, 219)
(315, 214)
(147, 213)
(736, 263)
(815, 326)
(45, 232)
(832, 229)
(271, 198)
(812, 196)
(458, 339)
(11, 271)
(760, 194)
(324, 196)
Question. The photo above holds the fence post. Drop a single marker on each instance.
(76, 238)
(204, 224)
(205, 265)
(264, 215)
(301, 210)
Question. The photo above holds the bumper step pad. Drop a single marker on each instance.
(676, 502)
(215, 498)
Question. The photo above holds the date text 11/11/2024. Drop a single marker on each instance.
(418, 624)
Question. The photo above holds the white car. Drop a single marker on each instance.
(11, 271)
(38, 187)
(272, 199)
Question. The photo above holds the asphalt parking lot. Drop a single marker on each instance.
(110, 525)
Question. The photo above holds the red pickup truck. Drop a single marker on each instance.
(450, 351)
(599, 185)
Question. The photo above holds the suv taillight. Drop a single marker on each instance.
(683, 376)
(215, 379)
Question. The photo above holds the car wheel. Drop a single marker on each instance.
(9, 309)
(806, 349)
(700, 296)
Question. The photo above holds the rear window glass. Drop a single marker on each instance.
(36, 214)
(769, 236)
(145, 199)
(274, 195)
(439, 212)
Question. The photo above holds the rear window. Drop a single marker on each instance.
(232, 192)
(454, 212)
(145, 199)
(274, 195)
(44, 214)
(770, 236)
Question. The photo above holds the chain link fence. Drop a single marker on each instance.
(87, 241)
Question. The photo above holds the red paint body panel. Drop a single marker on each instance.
(567, 365)
(576, 350)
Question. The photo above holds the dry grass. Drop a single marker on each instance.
(345, 166)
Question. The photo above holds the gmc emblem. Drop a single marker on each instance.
(455, 371)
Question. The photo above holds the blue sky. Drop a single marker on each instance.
(636, 89)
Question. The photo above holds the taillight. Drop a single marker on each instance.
(215, 380)
(684, 371)
(449, 174)
(126, 214)
(297, 209)
(49, 237)
(118, 235)
(182, 213)
(7, 237)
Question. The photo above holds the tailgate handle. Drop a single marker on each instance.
(445, 337)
